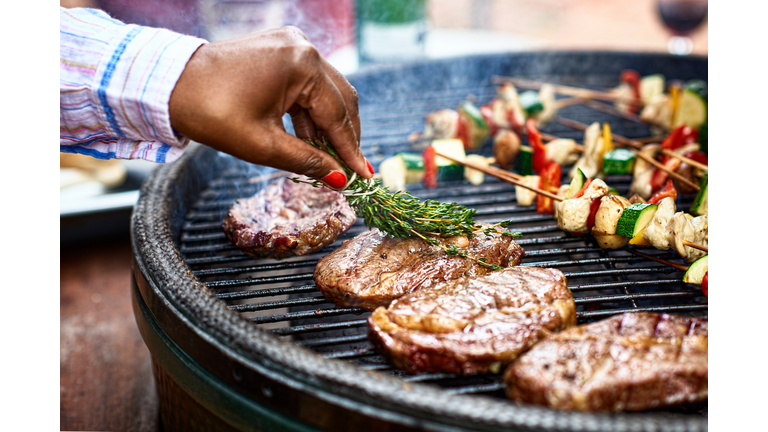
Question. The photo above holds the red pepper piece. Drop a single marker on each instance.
(705, 284)
(540, 159)
(633, 78)
(593, 212)
(674, 139)
(580, 193)
(690, 135)
(660, 176)
(549, 179)
(430, 167)
(462, 132)
(698, 157)
(487, 112)
(669, 191)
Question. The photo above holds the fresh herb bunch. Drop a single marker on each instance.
(402, 215)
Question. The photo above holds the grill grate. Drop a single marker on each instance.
(281, 296)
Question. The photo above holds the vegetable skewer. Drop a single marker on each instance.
(500, 174)
(516, 179)
(580, 126)
(633, 143)
(565, 90)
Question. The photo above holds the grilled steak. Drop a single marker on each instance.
(287, 218)
(472, 325)
(628, 362)
(372, 269)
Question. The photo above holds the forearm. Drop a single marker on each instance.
(115, 84)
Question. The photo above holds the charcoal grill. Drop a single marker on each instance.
(240, 343)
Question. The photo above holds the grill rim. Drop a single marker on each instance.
(223, 333)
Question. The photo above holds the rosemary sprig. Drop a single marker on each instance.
(402, 215)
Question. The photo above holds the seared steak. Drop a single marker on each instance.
(372, 269)
(628, 362)
(472, 325)
(287, 218)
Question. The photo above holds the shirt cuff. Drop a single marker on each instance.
(133, 86)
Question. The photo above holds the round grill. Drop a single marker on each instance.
(255, 345)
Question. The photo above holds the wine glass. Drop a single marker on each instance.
(681, 17)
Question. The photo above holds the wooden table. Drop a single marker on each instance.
(106, 380)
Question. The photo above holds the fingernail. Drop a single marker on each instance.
(370, 168)
(336, 179)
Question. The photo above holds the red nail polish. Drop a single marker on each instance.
(370, 168)
(336, 179)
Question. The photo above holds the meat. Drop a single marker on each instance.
(287, 218)
(629, 362)
(473, 325)
(371, 269)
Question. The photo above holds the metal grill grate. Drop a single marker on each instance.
(281, 296)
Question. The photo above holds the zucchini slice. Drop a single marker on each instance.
(650, 86)
(414, 167)
(576, 184)
(701, 202)
(477, 128)
(524, 162)
(704, 138)
(618, 161)
(531, 103)
(697, 270)
(635, 218)
(448, 170)
(691, 110)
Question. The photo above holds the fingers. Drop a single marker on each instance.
(328, 109)
(302, 123)
(292, 154)
(348, 93)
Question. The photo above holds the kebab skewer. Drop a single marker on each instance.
(615, 221)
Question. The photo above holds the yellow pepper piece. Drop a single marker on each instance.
(638, 240)
(674, 91)
(607, 143)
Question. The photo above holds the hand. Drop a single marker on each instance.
(233, 94)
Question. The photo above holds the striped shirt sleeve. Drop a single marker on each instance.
(115, 82)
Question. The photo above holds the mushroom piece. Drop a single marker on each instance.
(658, 232)
(606, 219)
(572, 214)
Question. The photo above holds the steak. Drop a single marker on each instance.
(287, 218)
(372, 269)
(469, 326)
(629, 362)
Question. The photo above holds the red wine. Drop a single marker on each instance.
(682, 17)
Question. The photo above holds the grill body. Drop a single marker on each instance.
(251, 344)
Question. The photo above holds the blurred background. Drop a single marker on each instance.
(356, 34)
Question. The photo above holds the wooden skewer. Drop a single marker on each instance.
(501, 174)
(650, 140)
(600, 106)
(547, 137)
(696, 246)
(632, 147)
(658, 260)
(638, 145)
(564, 90)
